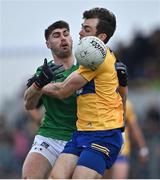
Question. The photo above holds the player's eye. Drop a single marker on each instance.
(56, 34)
(87, 29)
(66, 33)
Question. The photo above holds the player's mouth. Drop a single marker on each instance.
(64, 46)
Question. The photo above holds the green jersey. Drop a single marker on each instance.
(60, 117)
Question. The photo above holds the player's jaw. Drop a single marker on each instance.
(63, 51)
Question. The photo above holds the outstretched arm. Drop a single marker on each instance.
(66, 88)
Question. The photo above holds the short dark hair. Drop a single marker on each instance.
(58, 24)
(107, 21)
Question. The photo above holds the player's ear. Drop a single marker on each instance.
(48, 44)
(102, 36)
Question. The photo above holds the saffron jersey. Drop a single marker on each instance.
(99, 105)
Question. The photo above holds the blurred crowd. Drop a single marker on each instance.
(17, 131)
(150, 125)
(142, 57)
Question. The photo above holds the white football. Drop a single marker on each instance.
(90, 52)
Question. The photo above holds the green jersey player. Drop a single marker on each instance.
(60, 115)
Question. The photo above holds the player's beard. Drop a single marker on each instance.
(63, 53)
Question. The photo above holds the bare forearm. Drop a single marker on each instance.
(56, 90)
(66, 88)
(138, 136)
(32, 97)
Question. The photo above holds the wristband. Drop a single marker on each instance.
(144, 151)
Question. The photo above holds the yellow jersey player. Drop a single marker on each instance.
(94, 92)
(96, 144)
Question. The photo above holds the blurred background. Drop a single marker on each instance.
(22, 48)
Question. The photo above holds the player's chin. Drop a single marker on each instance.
(66, 49)
(65, 53)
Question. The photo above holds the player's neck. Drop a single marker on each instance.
(67, 62)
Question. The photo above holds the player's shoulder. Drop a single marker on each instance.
(111, 52)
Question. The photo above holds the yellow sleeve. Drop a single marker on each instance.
(87, 73)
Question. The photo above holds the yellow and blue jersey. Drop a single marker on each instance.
(99, 105)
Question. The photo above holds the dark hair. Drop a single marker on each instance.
(58, 24)
(107, 21)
